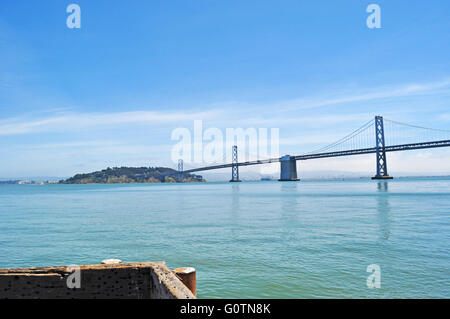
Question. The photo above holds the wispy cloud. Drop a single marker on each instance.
(445, 116)
(77, 144)
(321, 120)
(225, 114)
(65, 122)
(370, 95)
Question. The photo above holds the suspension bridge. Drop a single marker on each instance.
(378, 136)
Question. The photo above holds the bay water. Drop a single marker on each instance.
(307, 239)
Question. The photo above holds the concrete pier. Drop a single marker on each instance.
(381, 177)
(146, 280)
(288, 172)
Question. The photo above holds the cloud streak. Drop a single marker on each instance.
(72, 121)
(221, 113)
(381, 93)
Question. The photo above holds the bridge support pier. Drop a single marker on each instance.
(288, 172)
(235, 166)
(382, 172)
(180, 171)
(376, 177)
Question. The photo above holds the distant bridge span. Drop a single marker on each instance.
(288, 162)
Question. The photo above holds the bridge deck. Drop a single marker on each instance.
(392, 148)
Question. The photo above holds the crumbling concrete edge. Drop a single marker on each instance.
(171, 282)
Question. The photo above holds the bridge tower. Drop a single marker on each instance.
(288, 172)
(235, 166)
(382, 172)
(180, 171)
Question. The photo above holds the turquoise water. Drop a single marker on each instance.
(303, 239)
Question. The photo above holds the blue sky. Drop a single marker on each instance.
(110, 93)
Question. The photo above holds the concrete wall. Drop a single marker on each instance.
(149, 280)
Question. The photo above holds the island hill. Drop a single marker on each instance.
(118, 175)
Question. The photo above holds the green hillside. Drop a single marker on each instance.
(131, 175)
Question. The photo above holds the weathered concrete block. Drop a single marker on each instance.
(148, 280)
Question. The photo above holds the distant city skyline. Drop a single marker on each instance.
(111, 92)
